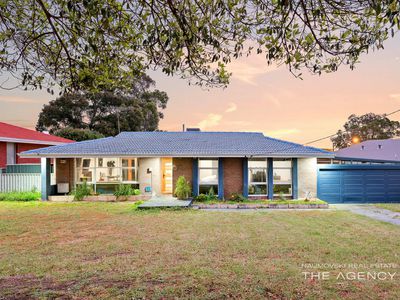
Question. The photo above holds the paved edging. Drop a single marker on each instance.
(261, 206)
(372, 212)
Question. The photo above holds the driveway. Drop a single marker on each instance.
(371, 211)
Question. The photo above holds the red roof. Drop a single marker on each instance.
(10, 132)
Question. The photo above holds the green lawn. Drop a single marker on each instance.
(109, 250)
(392, 207)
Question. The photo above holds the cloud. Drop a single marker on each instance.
(17, 99)
(211, 120)
(282, 132)
(232, 107)
(395, 96)
(274, 100)
(250, 68)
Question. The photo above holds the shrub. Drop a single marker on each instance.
(182, 190)
(201, 198)
(81, 191)
(125, 190)
(20, 196)
(237, 197)
(211, 195)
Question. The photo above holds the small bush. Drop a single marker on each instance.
(201, 198)
(237, 197)
(125, 190)
(20, 196)
(211, 195)
(183, 189)
(81, 191)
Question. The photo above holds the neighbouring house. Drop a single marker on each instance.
(368, 172)
(384, 151)
(227, 162)
(15, 139)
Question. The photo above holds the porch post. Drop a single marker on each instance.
(195, 177)
(294, 179)
(221, 178)
(245, 191)
(270, 179)
(45, 178)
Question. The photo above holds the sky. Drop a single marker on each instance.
(261, 98)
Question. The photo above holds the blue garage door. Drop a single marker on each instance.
(359, 183)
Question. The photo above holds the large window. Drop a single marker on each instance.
(208, 176)
(106, 170)
(282, 177)
(258, 177)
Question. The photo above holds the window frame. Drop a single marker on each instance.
(94, 180)
(216, 191)
(250, 182)
(275, 182)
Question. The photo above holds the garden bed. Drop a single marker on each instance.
(263, 204)
(102, 198)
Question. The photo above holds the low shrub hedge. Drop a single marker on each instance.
(20, 196)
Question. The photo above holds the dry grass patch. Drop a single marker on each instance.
(108, 250)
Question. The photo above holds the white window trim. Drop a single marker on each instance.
(256, 182)
(208, 168)
(281, 182)
(119, 166)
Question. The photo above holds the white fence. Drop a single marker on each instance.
(20, 182)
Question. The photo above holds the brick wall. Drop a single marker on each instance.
(25, 147)
(65, 171)
(182, 167)
(3, 154)
(233, 176)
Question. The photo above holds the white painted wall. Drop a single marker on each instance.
(307, 177)
(11, 156)
(145, 179)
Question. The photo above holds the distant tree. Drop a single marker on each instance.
(366, 127)
(78, 135)
(95, 45)
(108, 113)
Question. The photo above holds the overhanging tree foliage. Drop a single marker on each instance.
(100, 44)
(366, 127)
(106, 113)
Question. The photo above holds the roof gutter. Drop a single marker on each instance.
(27, 141)
(56, 155)
(358, 159)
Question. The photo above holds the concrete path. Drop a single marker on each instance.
(371, 211)
(165, 202)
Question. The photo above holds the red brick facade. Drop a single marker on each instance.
(182, 167)
(65, 171)
(233, 176)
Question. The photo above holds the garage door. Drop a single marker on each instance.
(359, 183)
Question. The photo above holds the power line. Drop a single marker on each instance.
(332, 135)
(325, 137)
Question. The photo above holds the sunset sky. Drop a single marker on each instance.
(261, 98)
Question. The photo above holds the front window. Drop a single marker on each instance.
(85, 169)
(258, 177)
(106, 170)
(282, 177)
(208, 176)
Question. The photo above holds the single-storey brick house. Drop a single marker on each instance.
(228, 162)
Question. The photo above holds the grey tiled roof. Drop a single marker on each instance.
(190, 143)
(372, 150)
